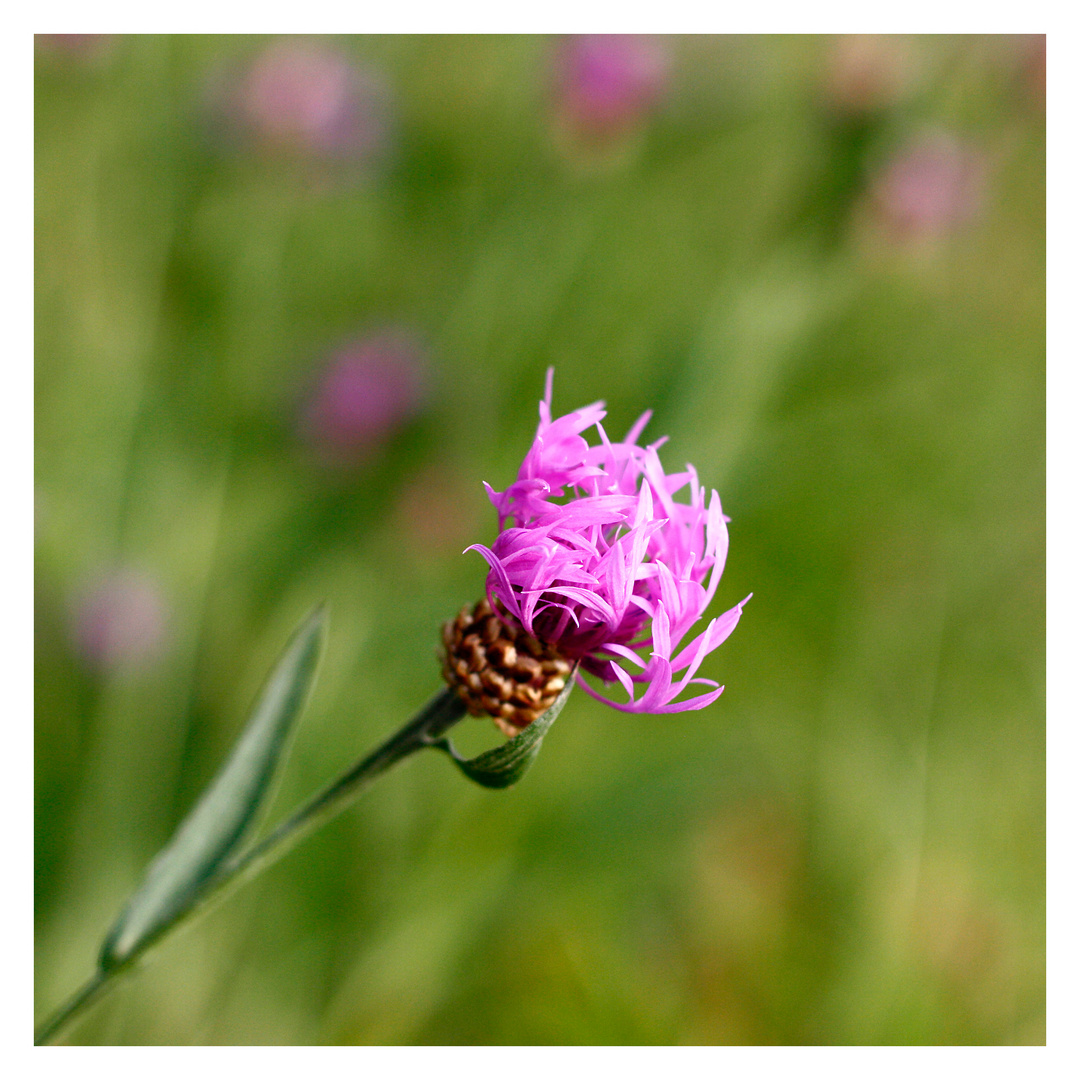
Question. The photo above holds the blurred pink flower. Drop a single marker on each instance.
(607, 83)
(120, 620)
(866, 72)
(368, 390)
(615, 568)
(1033, 63)
(76, 48)
(929, 188)
(306, 97)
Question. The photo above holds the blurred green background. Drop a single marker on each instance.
(819, 260)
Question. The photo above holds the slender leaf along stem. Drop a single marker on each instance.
(424, 730)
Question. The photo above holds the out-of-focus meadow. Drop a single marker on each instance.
(294, 302)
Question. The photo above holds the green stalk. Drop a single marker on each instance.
(425, 729)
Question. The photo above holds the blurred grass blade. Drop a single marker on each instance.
(507, 764)
(228, 809)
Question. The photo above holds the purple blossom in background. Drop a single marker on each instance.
(607, 83)
(120, 621)
(75, 48)
(930, 188)
(303, 96)
(369, 389)
(867, 72)
(1032, 50)
(615, 569)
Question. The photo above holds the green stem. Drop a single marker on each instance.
(437, 717)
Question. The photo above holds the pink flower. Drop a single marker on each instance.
(85, 48)
(304, 97)
(596, 558)
(608, 82)
(867, 72)
(930, 188)
(120, 621)
(367, 392)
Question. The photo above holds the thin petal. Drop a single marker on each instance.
(639, 426)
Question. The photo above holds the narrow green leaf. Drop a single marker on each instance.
(507, 764)
(227, 811)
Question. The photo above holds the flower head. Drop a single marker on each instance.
(596, 558)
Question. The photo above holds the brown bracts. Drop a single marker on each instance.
(498, 671)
